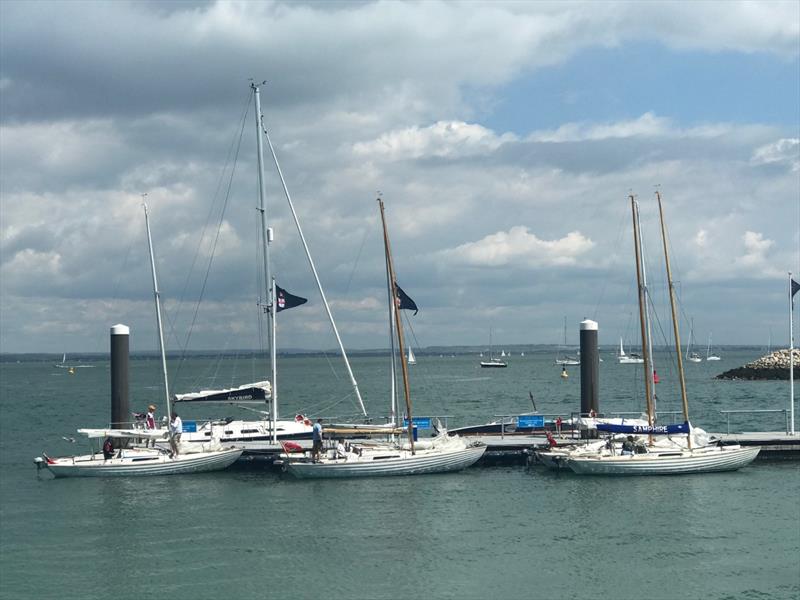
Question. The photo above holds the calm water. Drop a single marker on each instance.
(506, 532)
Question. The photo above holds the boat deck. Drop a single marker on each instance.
(519, 449)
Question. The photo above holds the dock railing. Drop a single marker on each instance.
(728, 414)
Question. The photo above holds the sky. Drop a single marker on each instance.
(505, 139)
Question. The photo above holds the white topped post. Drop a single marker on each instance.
(590, 368)
(120, 407)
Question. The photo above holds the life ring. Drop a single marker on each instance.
(300, 418)
(592, 413)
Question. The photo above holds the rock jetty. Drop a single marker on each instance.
(772, 366)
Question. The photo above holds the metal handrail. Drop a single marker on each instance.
(728, 414)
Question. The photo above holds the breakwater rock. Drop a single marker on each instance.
(772, 366)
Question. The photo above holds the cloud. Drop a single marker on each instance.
(785, 151)
(442, 139)
(519, 246)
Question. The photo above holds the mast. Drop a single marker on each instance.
(649, 374)
(268, 296)
(399, 325)
(637, 241)
(157, 297)
(674, 321)
(314, 271)
(393, 357)
(791, 357)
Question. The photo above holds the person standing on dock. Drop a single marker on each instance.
(316, 436)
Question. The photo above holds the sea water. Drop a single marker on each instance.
(493, 532)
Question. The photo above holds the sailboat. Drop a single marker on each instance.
(137, 461)
(492, 363)
(70, 367)
(443, 453)
(412, 360)
(263, 435)
(692, 356)
(628, 359)
(565, 359)
(690, 452)
(710, 356)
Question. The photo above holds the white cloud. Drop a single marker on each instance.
(785, 151)
(518, 246)
(442, 139)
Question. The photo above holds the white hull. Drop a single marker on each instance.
(390, 463)
(141, 462)
(627, 360)
(709, 358)
(567, 361)
(668, 462)
(237, 433)
(493, 364)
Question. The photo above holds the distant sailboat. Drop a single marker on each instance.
(412, 360)
(71, 368)
(692, 356)
(565, 359)
(710, 356)
(628, 359)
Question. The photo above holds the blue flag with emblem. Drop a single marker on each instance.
(284, 299)
(404, 301)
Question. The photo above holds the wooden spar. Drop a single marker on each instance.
(399, 326)
(674, 321)
(642, 307)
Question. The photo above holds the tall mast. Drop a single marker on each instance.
(649, 374)
(393, 356)
(674, 320)
(314, 271)
(791, 357)
(262, 209)
(399, 326)
(157, 296)
(642, 309)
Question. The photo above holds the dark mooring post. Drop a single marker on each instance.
(590, 373)
(120, 409)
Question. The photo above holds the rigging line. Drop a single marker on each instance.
(621, 226)
(216, 238)
(358, 257)
(208, 221)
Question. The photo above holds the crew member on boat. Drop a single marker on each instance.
(316, 436)
(175, 429)
(150, 423)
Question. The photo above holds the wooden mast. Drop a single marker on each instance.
(674, 322)
(398, 324)
(642, 308)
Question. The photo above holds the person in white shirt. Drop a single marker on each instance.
(341, 451)
(175, 429)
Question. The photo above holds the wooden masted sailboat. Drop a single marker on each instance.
(680, 454)
(440, 454)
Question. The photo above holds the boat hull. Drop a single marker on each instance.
(147, 465)
(725, 458)
(402, 464)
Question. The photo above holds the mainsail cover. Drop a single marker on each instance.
(249, 393)
(646, 429)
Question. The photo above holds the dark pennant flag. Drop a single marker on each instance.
(795, 288)
(404, 302)
(286, 300)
